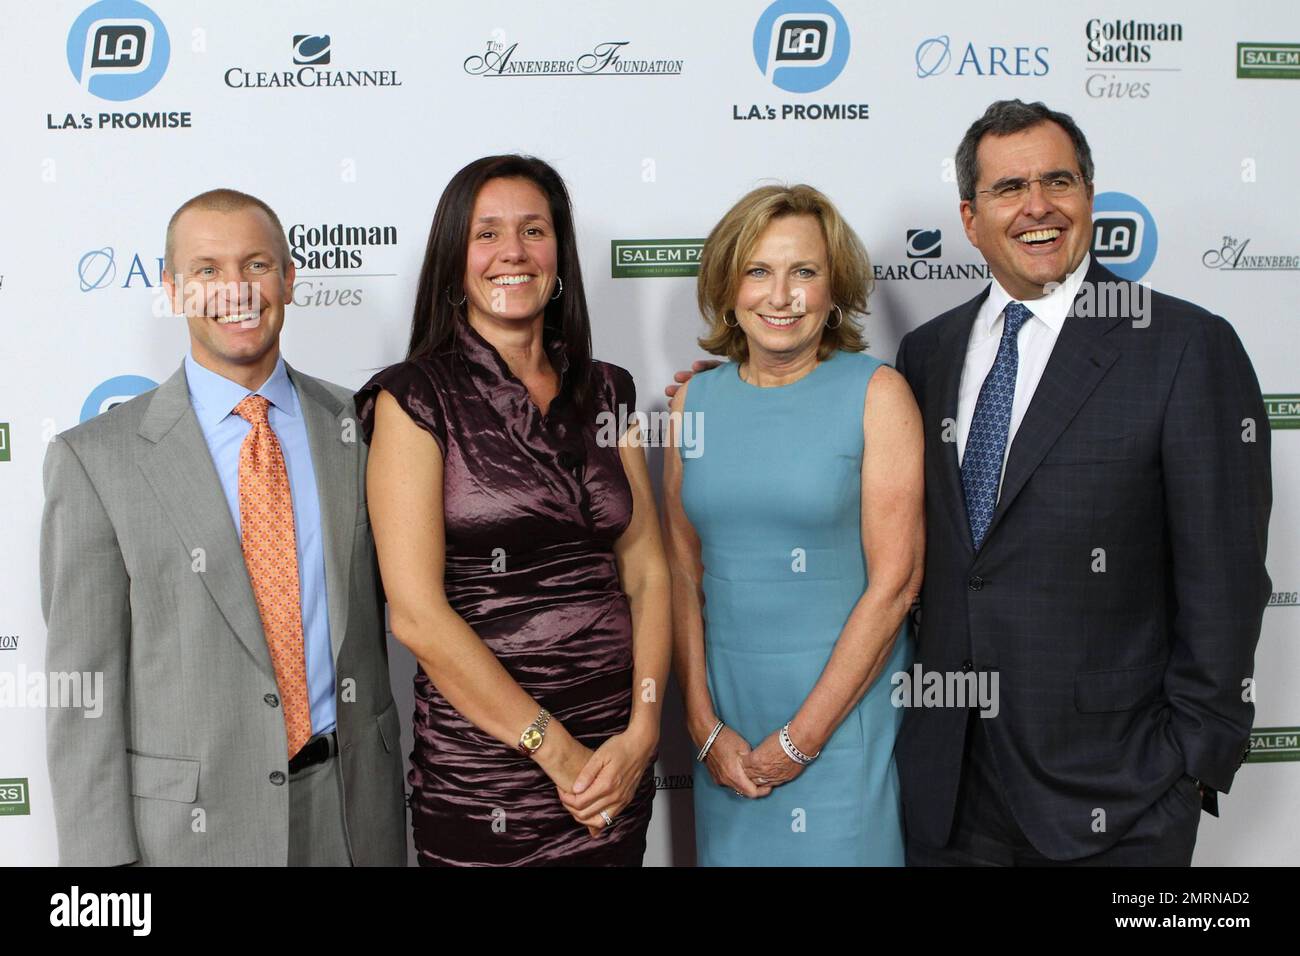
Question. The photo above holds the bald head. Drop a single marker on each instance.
(225, 200)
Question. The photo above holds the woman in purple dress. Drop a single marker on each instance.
(519, 546)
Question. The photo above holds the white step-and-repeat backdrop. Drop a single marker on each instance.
(350, 118)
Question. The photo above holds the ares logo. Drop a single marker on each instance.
(311, 50)
(110, 394)
(934, 56)
(924, 243)
(118, 49)
(801, 45)
(1124, 236)
(97, 269)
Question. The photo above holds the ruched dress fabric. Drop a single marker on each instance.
(776, 500)
(533, 505)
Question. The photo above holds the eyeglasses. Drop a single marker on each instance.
(1057, 184)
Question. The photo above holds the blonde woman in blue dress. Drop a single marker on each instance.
(811, 474)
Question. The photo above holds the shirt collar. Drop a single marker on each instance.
(214, 396)
(1051, 308)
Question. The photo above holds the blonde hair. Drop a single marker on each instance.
(224, 200)
(731, 243)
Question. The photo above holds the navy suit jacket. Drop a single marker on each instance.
(1119, 592)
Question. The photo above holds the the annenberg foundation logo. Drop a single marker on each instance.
(110, 394)
(118, 50)
(1124, 236)
(327, 256)
(935, 56)
(502, 57)
(924, 250)
(654, 258)
(1274, 744)
(308, 54)
(1284, 598)
(801, 46)
(8, 642)
(1283, 411)
(4, 441)
(98, 269)
(1268, 61)
(15, 800)
(1231, 256)
(1125, 57)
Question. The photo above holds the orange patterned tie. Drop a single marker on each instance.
(271, 554)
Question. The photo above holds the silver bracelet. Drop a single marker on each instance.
(793, 752)
(704, 751)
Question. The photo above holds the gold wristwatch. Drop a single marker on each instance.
(530, 741)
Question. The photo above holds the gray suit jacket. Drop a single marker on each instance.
(143, 579)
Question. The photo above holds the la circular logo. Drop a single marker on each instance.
(118, 49)
(110, 394)
(1124, 236)
(801, 45)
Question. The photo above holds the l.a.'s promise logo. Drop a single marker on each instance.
(801, 45)
(1124, 236)
(118, 49)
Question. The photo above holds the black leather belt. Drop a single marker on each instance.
(317, 750)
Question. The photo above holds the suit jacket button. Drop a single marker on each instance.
(966, 665)
(277, 778)
(975, 583)
(271, 700)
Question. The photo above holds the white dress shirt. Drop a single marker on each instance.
(1035, 342)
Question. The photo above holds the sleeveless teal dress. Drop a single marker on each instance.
(775, 496)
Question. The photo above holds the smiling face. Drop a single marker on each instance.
(511, 262)
(785, 289)
(232, 287)
(1034, 239)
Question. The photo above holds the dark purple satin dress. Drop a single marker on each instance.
(533, 507)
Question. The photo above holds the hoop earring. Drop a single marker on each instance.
(840, 313)
(730, 325)
(455, 305)
(560, 291)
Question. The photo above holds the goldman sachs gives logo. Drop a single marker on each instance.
(609, 58)
(336, 262)
(1125, 57)
(309, 53)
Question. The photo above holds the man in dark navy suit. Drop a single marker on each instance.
(1098, 494)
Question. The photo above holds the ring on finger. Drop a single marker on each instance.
(609, 821)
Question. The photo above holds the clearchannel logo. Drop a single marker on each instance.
(801, 45)
(110, 394)
(1124, 236)
(118, 49)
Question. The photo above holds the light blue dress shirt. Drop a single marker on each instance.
(214, 399)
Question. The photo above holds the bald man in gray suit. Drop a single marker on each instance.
(228, 736)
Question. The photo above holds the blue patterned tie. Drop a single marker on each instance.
(981, 465)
